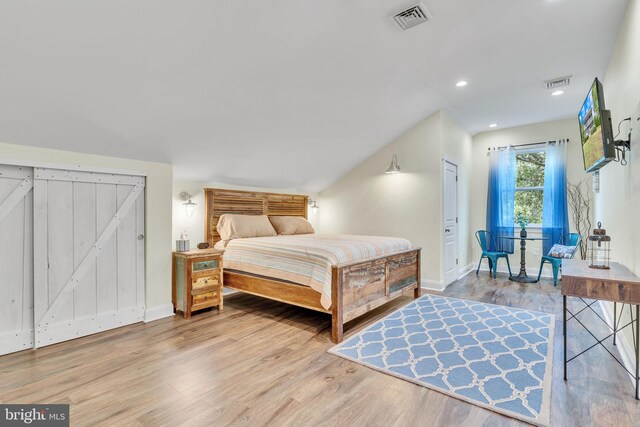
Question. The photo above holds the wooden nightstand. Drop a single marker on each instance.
(197, 280)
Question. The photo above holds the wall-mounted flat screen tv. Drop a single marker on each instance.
(596, 132)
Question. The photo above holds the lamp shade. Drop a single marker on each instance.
(313, 204)
(393, 167)
(189, 207)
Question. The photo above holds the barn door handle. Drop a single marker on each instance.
(140, 236)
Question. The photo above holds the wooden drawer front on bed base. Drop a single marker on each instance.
(362, 283)
(372, 280)
(401, 271)
(361, 287)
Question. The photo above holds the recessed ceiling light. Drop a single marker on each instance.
(461, 83)
(557, 92)
(493, 125)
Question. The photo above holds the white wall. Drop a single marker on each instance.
(194, 225)
(157, 208)
(548, 131)
(620, 185)
(618, 203)
(368, 201)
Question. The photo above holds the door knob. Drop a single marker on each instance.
(140, 236)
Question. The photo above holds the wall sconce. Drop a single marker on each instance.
(313, 204)
(189, 205)
(393, 167)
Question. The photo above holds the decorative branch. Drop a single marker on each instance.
(579, 200)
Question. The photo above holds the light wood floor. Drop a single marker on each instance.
(265, 363)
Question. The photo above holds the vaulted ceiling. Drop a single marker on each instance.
(285, 93)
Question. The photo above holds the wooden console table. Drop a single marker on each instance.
(617, 285)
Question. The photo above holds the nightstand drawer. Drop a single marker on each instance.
(205, 281)
(207, 299)
(205, 265)
(206, 290)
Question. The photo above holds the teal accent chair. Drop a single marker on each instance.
(484, 237)
(571, 239)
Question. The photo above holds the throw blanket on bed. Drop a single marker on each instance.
(306, 258)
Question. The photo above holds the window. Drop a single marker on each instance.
(530, 185)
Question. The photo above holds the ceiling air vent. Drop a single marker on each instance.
(413, 16)
(559, 82)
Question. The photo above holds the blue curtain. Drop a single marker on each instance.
(500, 198)
(555, 215)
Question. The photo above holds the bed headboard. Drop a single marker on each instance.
(218, 201)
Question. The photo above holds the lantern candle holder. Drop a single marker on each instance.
(599, 249)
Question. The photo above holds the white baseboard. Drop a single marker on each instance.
(158, 312)
(432, 285)
(625, 349)
(438, 285)
(465, 270)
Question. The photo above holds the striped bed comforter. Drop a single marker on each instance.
(306, 259)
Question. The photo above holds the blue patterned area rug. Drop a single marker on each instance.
(489, 355)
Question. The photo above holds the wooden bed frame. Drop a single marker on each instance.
(356, 288)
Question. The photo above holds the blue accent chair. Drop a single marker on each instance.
(484, 237)
(571, 239)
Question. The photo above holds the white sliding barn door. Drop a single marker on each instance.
(88, 253)
(16, 258)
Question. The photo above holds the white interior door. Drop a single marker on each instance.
(16, 258)
(89, 253)
(450, 215)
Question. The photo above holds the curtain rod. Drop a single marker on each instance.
(526, 145)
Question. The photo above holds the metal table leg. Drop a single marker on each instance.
(637, 346)
(635, 333)
(564, 333)
(615, 306)
(522, 275)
